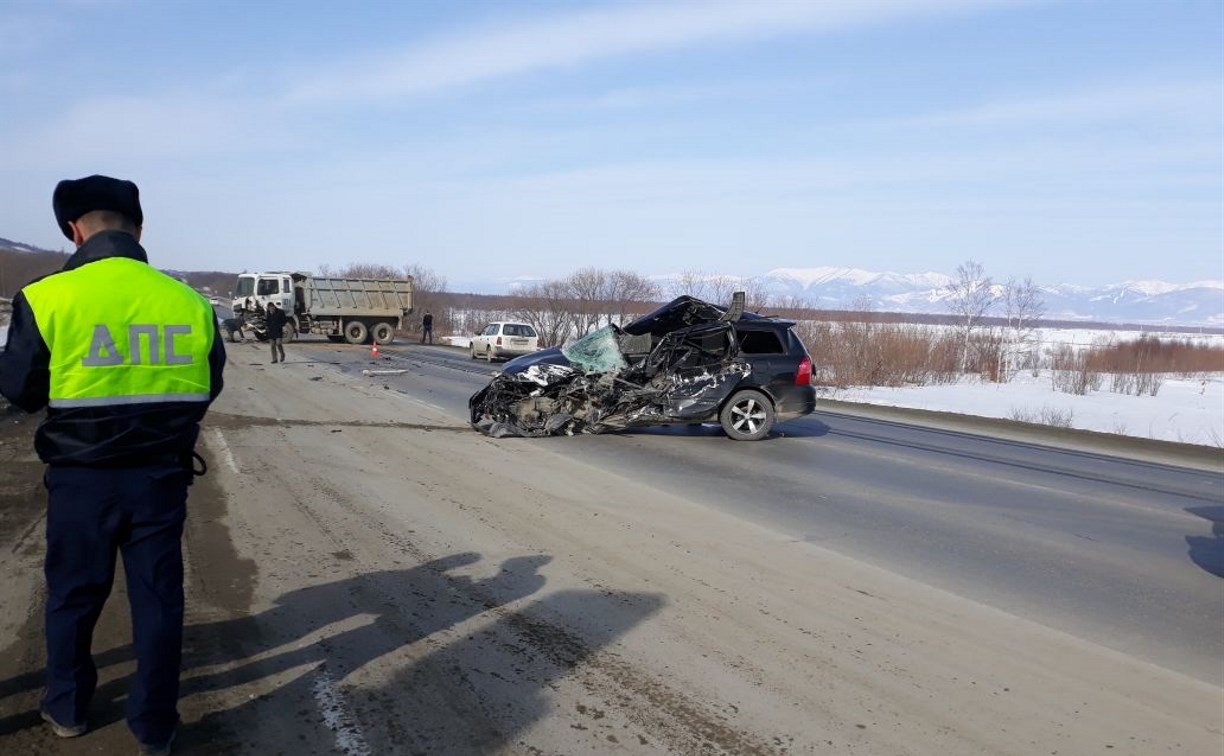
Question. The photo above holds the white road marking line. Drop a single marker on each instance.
(336, 716)
(225, 452)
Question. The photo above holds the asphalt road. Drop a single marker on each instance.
(366, 574)
(1122, 551)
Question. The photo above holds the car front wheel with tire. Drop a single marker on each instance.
(747, 416)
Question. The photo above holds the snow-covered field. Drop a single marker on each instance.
(1186, 411)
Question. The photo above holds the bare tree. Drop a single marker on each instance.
(627, 291)
(428, 288)
(970, 297)
(756, 294)
(1024, 305)
(588, 288)
(714, 288)
(367, 270)
(545, 305)
(791, 304)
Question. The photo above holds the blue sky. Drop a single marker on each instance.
(1077, 142)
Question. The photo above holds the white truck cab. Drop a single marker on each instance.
(255, 290)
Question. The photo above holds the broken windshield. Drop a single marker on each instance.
(597, 352)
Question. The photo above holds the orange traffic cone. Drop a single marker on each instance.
(374, 350)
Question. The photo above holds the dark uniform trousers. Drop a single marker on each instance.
(94, 513)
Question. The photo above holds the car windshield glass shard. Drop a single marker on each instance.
(597, 352)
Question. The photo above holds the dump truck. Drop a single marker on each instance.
(356, 310)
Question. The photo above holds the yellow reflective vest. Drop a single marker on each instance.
(121, 332)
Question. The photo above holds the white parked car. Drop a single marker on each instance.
(504, 340)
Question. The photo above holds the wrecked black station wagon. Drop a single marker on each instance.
(688, 361)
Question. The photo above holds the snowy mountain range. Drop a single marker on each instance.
(1200, 303)
(1157, 302)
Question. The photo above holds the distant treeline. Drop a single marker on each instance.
(509, 303)
(19, 267)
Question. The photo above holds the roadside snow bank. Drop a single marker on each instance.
(1185, 411)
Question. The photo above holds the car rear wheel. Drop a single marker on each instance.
(747, 416)
(488, 354)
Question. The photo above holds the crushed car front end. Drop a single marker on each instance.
(681, 363)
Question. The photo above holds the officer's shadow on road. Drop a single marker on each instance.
(1208, 551)
(379, 660)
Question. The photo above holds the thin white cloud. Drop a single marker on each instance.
(578, 38)
(1011, 168)
(641, 98)
(143, 129)
(1177, 101)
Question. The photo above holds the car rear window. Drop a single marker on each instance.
(760, 342)
(513, 329)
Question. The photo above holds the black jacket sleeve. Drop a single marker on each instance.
(216, 362)
(25, 363)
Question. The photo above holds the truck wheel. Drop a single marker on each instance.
(355, 332)
(290, 333)
(747, 416)
(383, 333)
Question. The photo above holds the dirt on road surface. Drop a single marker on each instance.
(368, 575)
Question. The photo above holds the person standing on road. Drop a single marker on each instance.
(126, 361)
(275, 323)
(427, 327)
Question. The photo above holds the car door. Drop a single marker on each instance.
(696, 368)
(485, 338)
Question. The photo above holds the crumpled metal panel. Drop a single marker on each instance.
(615, 378)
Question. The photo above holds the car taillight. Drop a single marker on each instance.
(803, 376)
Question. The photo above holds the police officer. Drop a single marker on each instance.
(126, 360)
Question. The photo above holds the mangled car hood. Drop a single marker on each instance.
(678, 362)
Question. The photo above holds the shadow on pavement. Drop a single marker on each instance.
(1208, 551)
(280, 680)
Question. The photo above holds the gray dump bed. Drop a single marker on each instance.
(357, 296)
